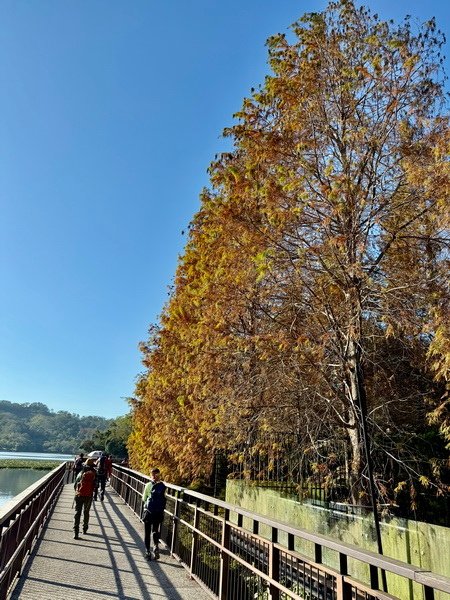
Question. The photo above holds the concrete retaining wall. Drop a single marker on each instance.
(417, 543)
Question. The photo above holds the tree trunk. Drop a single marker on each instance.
(356, 460)
(357, 398)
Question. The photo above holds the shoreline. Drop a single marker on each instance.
(29, 463)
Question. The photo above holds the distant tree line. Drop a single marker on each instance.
(112, 440)
(33, 427)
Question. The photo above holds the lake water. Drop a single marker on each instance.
(36, 456)
(14, 481)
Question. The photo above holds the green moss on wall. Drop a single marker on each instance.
(416, 543)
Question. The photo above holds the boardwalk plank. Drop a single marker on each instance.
(108, 562)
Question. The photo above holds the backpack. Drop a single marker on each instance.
(156, 502)
(87, 483)
(78, 465)
(101, 466)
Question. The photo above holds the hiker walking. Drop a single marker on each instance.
(84, 490)
(154, 503)
(78, 464)
(101, 477)
(109, 466)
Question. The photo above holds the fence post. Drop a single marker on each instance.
(343, 589)
(428, 593)
(224, 557)
(194, 540)
(274, 565)
(318, 553)
(176, 514)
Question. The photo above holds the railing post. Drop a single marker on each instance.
(374, 583)
(428, 593)
(255, 527)
(176, 516)
(274, 565)
(343, 589)
(224, 557)
(20, 535)
(127, 489)
(194, 539)
(318, 553)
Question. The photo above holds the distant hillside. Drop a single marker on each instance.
(33, 427)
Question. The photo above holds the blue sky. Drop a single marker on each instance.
(110, 113)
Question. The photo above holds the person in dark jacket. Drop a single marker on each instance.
(78, 464)
(101, 476)
(154, 503)
(85, 484)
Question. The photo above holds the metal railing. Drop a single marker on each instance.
(234, 562)
(21, 521)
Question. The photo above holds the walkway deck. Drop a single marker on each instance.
(108, 562)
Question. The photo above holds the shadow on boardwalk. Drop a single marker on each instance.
(107, 562)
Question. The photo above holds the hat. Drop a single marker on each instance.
(90, 462)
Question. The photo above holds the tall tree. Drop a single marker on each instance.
(322, 245)
(347, 149)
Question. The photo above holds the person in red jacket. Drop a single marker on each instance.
(85, 484)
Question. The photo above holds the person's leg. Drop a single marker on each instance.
(147, 531)
(77, 516)
(102, 486)
(157, 522)
(87, 508)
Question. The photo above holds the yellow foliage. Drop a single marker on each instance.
(322, 231)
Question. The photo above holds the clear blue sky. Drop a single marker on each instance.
(110, 112)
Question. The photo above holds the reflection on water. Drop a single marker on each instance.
(14, 481)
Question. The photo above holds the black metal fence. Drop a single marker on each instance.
(288, 463)
(320, 474)
(21, 524)
(239, 555)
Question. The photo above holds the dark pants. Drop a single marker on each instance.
(153, 524)
(101, 482)
(82, 504)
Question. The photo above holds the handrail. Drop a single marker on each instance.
(208, 536)
(21, 521)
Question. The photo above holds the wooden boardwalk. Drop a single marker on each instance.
(108, 562)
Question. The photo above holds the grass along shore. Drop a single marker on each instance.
(20, 463)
